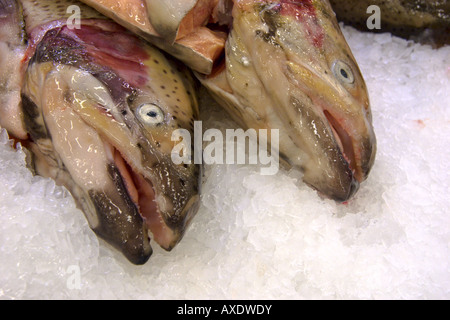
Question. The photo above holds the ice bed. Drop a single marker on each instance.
(268, 237)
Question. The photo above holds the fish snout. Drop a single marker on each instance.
(343, 141)
(171, 226)
(354, 143)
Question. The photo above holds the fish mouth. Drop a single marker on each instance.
(142, 193)
(359, 153)
(345, 143)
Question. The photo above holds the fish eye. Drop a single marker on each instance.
(343, 72)
(150, 114)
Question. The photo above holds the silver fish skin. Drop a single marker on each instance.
(100, 107)
(289, 67)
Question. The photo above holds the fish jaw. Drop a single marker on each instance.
(341, 95)
(283, 71)
(347, 118)
(124, 181)
(71, 152)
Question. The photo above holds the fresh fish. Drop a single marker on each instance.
(287, 66)
(176, 26)
(427, 21)
(100, 107)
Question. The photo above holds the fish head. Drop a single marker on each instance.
(289, 67)
(165, 105)
(102, 107)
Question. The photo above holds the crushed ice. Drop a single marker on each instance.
(268, 236)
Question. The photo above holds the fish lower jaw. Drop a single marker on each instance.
(340, 197)
(143, 195)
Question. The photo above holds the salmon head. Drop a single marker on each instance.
(101, 107)
(287, 66)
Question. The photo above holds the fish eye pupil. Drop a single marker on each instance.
(343, 72)
(150, 114)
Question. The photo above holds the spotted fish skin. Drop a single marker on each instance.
(426, 21)
(100, 107)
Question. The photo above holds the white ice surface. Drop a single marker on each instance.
(268, 237)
